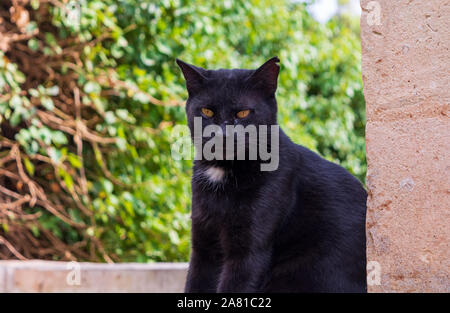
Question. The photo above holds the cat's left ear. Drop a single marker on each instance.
(265, 78)
(193, 76)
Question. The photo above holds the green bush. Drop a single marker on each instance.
(87, 111)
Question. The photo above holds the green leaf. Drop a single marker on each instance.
(174, 238)
(50, 39)
(33, 44)
(15, 101)
(29, 166)
(108, 186)
(35, 230)
(68, 181)
(47, 103)
(53, 91)
(59, 138)
(54, 154)
(35, 4)
(33, 92)
(91, 87)
(15, 118)
(30, 27)
(74, 160)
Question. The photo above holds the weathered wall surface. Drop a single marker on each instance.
(406, 65)
(48, 276)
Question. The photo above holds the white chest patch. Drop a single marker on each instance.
(215, 174)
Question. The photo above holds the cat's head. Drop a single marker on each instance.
(232, 96)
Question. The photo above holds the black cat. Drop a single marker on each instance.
(298, 228)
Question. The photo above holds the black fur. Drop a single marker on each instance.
(300, 228)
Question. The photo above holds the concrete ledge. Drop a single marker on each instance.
(52, 276)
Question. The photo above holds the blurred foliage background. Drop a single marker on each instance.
(89, 94)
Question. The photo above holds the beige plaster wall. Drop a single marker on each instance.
(405, 67)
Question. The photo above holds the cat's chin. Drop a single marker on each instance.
(215, 174)
(223, 171)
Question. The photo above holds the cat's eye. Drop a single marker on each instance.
(243, 113)
(207, 112)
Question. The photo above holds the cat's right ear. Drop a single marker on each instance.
(193, 76)
(266, 76)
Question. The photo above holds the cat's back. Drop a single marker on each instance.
(322, 240)
(320, 176)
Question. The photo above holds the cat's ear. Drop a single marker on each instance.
(193, 76)
(265, 78)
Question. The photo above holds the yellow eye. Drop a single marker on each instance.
(207, 112)
(242, 114)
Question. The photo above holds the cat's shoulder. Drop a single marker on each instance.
(314, 167)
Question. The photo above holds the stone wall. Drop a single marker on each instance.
(406, 65)
(49, 276)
